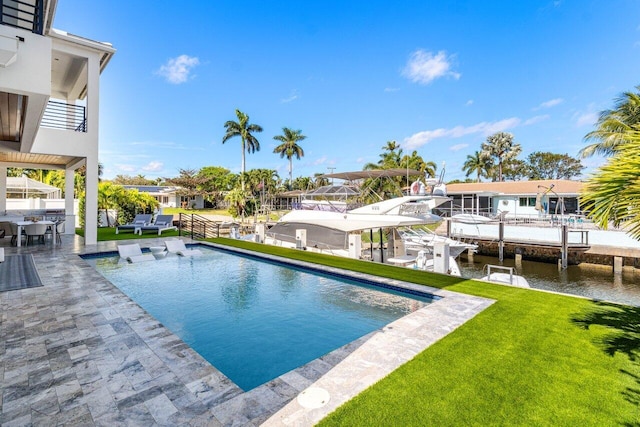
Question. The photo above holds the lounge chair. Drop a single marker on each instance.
(162, 223)
(177, 247)
(139, 221)
(133, 253)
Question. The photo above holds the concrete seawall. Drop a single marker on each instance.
(597, 254)
(612, 248)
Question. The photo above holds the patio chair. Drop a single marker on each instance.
(139, 221)
(162, 223)
(14, 233)
(133, 253)
(35, 230)
(176, 246)
(59, 227)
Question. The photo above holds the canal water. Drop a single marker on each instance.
(588, 280)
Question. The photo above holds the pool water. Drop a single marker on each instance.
(255, 320)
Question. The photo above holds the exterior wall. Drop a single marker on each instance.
(80, 144)
(30, 75)
(34, 53)
(172, 200)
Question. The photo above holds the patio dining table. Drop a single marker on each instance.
(21, 225)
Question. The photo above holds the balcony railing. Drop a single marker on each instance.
(25, 14)
(59, 115)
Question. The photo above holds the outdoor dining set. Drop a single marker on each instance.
(32, 230)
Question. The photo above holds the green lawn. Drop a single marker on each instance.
(109, 233)
(531, 359)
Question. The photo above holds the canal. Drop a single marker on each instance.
(588, 280)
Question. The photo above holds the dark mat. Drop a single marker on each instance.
(18, 272)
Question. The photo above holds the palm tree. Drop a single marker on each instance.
(478, 164)
(319, 180)
(244, 130)
(613, 125)
(110, 196)
(237, 199)
(500, 147)
(416, 162)
(289, 147)
(612, 193)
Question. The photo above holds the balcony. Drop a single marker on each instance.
(59, 115)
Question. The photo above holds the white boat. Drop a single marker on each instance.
(416, 239)
(471, 219)
(340, 233)
(327, 231)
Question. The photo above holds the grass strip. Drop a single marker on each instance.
(109, 233)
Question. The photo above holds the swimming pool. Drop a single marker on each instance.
(252, 319)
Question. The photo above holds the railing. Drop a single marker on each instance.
(27, 15)
(59, 115)
(199, 227)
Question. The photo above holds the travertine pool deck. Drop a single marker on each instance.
(77, 351)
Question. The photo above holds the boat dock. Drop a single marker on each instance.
(546, 244)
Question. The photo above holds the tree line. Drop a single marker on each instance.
(497, 160)
(610, 194)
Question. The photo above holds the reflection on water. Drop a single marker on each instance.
(589, 280)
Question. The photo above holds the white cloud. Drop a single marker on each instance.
(424, 67)
(458, 147)
(469, 103)
(178, 70)
(549, 104)
(391, 89)
(292, 97)
(484, 128)
(153, 167)
(536, 119)
(585, 119)
(321, 161)
(125, 168)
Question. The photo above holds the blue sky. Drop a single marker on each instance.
(435, 76)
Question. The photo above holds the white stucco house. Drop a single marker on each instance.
(168, 196)
(49, 101)
(514, 199)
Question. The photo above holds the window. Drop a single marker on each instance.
(527, 201)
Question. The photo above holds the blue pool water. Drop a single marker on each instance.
(255, 320)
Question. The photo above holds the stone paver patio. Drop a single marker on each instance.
(77, 351)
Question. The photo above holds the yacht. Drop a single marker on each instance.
(340, 233)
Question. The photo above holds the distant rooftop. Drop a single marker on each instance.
(560, 186)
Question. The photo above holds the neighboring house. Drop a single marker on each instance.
(287, 200)
(168, 196)
(514, 198)
(49, 99)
